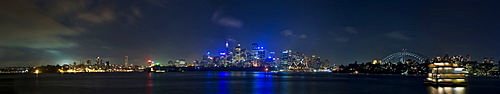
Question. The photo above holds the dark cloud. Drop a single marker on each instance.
(84, 13)
(137, 12)
(40, 29)
(351, 30)
(61, 9)
(39, 32)
(342, 35)
(302, 36)
(231, 39)
(105, 15)
(398, 35)
(341, 39)
(28, 27)
(289, 33)
(228, 21)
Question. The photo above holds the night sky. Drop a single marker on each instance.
(42, 32)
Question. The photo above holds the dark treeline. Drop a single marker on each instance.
(409, 66)
(485, 68)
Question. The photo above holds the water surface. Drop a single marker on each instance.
(232, 82)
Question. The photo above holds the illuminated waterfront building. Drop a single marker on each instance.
(486, 60)
(261, 53)
(170, 63)
(180, 63)
(376, 61)
(294, 60)
(126, 61)
(255, 51)
(271, 54)
(88, 62)
(97, 60)
(285, 58)
(206, 60)
(239, 55)
(492, 60)
(468, 58)
(256, 57)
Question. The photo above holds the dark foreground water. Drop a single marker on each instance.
(232, 82)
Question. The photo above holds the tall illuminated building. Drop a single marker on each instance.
(261, 53)
(126, 60)
(89, 62)
(486, 60)
(271, 54)
(237, 48)
(255, 51)
(271, 60)
(238, 54)
(170, 63)
(258, 52)
(227, 47)
(97, 60)
(285, 58)
(206, 60)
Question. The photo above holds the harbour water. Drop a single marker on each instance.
(232, 82)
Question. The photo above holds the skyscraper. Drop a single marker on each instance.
(261, 53)
(238, 54)
(255, 51)
(97, 59)
(126, 60)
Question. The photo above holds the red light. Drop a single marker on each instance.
(149, 61)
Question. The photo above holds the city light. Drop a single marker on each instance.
(327, 46)
(227, 44)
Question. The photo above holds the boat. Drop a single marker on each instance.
(164, 69)
(446, 74)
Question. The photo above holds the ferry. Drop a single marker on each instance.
(164, 69)
(446, 74)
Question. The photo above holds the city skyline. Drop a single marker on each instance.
(59, 32)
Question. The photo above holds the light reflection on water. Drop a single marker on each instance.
(263, 83)
(239, 82)
(234, 82)
(446, 90)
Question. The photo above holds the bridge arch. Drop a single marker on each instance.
(402, 56)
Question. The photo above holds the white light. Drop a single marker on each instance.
(458, 69)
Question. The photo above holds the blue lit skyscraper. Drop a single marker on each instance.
(261, 53)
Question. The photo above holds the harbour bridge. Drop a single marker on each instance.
(402, 56)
